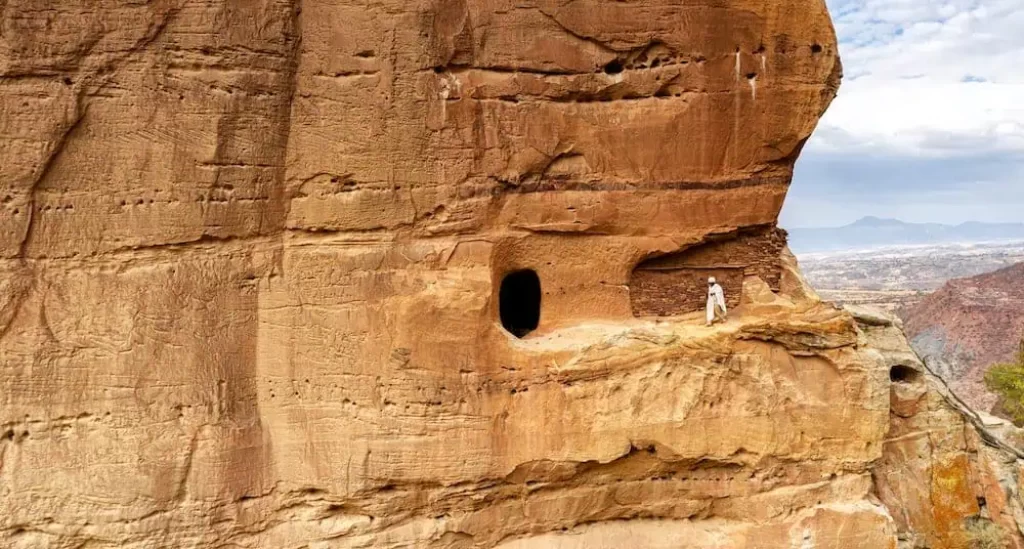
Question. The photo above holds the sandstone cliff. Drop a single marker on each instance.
(390, 274)
(946, 475)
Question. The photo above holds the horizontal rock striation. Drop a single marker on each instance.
(253, 255)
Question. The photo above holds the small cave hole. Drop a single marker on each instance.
(519, 302)
(903, 374)
(816, 48)
(613, 67)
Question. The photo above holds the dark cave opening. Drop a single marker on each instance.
(613, 67)
(903, 374)
(519, 302)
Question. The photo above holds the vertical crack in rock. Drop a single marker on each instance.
(294, 57)
(64, 134)
(181, 493)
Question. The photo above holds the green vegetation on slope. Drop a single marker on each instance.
(1007, 381)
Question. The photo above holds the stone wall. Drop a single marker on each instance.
(676, 283)
(670, 292)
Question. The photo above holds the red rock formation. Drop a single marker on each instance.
(968, 325)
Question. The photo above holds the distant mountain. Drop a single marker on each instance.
(968, 325)
(874, 232)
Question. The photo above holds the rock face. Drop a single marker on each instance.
(968, 325)
(374, 275)
(946, 475)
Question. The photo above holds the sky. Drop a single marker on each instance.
(928, 125)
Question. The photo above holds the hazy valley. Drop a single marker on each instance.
(897, 276)
(961, 303)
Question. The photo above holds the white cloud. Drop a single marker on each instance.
(926, 116)
(928, 77)
(929, 121)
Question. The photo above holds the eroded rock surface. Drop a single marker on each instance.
(252, 256)
(945, 469)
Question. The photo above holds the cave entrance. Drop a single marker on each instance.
(903, 374)
(519, 302)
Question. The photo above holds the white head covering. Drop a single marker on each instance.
(711, 280)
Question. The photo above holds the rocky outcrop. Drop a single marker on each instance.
(359, 275)
(967, 326)
(949, 477)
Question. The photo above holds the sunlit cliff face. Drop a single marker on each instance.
(254, 277)
(580, 140)
(572, 141)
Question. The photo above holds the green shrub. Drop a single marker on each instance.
(1007, 381)
(984, 534)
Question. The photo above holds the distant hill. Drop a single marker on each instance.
(966, 326)
(874, 232)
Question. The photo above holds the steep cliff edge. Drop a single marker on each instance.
(948, 478)
(283, 274)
